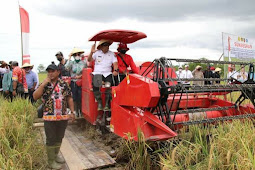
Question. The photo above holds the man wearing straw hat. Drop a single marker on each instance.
(31, 80)
(75, 68)
(104, 59)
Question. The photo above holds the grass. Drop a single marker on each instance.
(229, 146)
(42, 76)
(20, 144)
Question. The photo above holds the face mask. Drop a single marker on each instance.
(123, 51)
(77, 58)
(59, 59)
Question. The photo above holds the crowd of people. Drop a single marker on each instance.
(210, 72)
(61, 100)
(17, 80)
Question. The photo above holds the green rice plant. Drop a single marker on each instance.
(229, 146)
(19, 145)
(138, 154)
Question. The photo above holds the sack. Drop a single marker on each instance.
(79, 82)
(40, 111)
(20, 88)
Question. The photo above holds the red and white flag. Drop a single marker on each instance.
(24, 21)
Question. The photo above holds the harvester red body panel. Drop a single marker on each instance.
(155, 103)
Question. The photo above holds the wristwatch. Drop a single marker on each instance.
(14, 89)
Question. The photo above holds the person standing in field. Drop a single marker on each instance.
(7, 83)
(62, 61)
(198, 74)
(19, 79)
(31, 80)
(75, 68)
(187, 75)
(56, 95)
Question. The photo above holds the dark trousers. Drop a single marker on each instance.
(119, 79)
(8, 96)
(76, 92)
(55, 131)
(105, 79)
(30, 95)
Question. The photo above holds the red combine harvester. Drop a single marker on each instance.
(155, 103)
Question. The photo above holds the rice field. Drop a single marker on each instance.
(229, 145)
(21, 146)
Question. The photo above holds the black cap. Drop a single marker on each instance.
(52, 67)
(59, 53)
(15, 63)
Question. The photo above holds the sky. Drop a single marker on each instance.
(174, 29)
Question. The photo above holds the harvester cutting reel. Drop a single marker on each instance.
(163, 73)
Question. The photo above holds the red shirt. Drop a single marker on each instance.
(17, 76)
(129, 61)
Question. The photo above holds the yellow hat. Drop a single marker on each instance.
(76, 50)
(197, 67)
(217, 69)
(104, 41)
(27, 65)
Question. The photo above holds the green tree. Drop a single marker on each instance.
(41, 68)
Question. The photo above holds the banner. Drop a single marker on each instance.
(24, 21)
(241, 48)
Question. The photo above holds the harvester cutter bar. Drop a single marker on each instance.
(208, 61)
(196, 79)
(201, 110)
(193, 122)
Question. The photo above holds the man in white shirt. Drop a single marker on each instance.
(187, 75)
(104, 59)
(179, 74)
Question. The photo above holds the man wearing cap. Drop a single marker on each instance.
(75, 68)
(179, 74)
(18, 79)
(187, 75)
(56, 95)
(125, 61)
(104, 59)
(61, 65)
(31, 80)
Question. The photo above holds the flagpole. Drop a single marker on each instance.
(21, 36)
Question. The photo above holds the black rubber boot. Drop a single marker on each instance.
(98, 97)
(108, 97)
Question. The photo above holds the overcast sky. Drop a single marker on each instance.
(179, 29)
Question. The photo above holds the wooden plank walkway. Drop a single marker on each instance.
(80, 152)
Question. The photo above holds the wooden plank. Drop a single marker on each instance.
(80, 152)
(96, 156)
(64, 166)
(72, 159)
